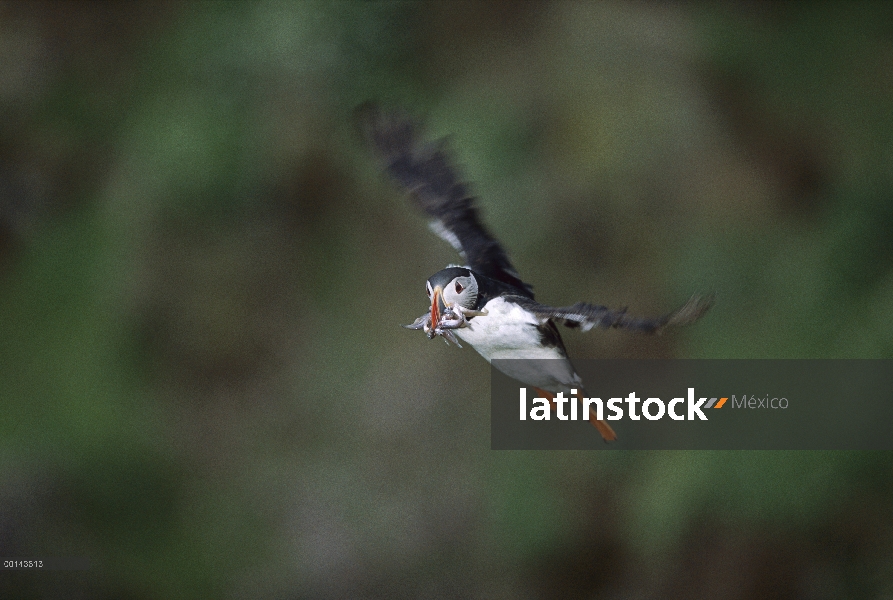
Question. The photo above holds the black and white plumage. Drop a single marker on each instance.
(485, 303)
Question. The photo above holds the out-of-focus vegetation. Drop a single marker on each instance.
(203, 385)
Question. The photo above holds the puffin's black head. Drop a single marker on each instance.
(453, 285)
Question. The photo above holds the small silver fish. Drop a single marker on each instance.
(450, 319)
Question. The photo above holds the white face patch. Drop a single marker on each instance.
(462, 291)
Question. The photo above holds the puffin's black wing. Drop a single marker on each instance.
(424, 170)
(587, 316)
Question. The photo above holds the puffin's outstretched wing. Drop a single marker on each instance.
(586, 316)
(425, 171)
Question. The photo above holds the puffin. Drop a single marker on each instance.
(485, 303)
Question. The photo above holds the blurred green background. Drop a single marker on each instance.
(202, 272)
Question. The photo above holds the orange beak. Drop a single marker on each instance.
(435, 306)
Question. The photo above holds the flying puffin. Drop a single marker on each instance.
(485, 303)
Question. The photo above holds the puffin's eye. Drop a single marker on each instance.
(428, 290)
(459, 288)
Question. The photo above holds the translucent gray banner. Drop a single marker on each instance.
(800, 404)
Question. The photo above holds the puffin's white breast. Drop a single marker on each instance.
(506, 331)
(509, 332)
